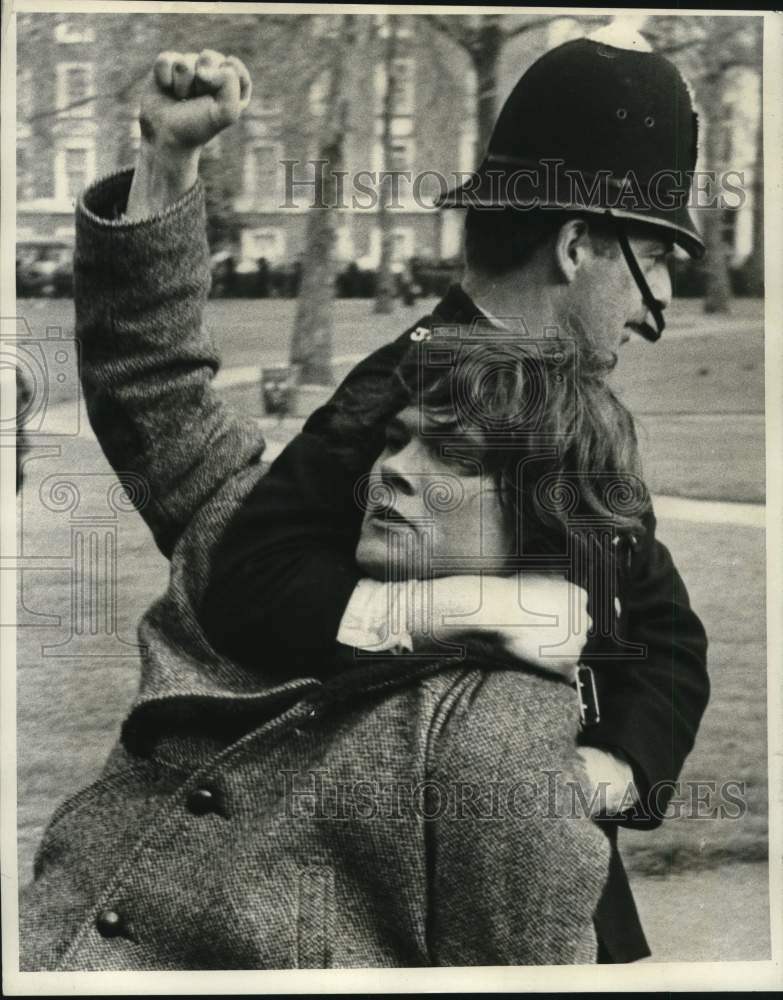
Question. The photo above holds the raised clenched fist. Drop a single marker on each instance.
(189, 98)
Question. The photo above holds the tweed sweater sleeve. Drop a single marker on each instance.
(147, 361)
(518, 867)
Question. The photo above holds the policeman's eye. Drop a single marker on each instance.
(659, 256)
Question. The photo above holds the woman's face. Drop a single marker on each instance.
(430, 510)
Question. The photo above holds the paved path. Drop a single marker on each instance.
(248, 374)
(717, 915)
(279, 431)
(750, 515)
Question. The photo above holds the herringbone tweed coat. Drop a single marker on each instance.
(408, 813)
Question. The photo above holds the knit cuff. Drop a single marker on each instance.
(113, 254)
(103, 204)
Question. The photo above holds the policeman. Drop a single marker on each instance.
(597, 128)
(569, 223)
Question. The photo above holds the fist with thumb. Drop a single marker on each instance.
(189, 98)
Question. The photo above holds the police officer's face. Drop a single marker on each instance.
(430, 513)
(604, 298)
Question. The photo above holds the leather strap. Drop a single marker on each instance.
(641, 282)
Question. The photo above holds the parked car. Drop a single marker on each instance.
(433, 277)
(234, 276)
(221, 267)
(44, 267)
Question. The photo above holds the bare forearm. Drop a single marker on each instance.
(161, 178)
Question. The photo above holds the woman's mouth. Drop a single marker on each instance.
(386, 516)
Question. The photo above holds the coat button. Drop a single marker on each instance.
(110, 924)
(202, 801)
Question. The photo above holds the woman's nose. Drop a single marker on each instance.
(397, 470)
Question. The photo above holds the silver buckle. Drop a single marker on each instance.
(589, 710)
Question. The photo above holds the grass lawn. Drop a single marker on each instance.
(700, 437)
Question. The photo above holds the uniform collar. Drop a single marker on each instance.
(458, 307)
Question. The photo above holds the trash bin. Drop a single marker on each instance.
(277, 385)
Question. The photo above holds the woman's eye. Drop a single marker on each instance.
(394, 440)
(464, 466)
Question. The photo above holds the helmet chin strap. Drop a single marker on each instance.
(633, 266)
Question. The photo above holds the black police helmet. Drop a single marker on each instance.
(597, 128)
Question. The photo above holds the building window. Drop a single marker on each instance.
(729, 227)
(382, 26)
(76, 172)
(326, 25)
(74, 169)
(134, 130)
(468, 132)
(404, 84)
(402, 245)
(268, 243)
(262, 166)
(264, 103)
(319, 92)
(75, 88)
(402, 248)
(344, 249)
(25, 188)
(401, 155)
(24, 92)
(67, 33)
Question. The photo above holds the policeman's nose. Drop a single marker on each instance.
(661, 285)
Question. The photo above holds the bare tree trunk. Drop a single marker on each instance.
(717, 295)
(485, 54)
(384, 298)
(717, 291)
(756, 259)
(313, 336)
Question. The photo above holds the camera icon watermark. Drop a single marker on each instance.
(47, 366)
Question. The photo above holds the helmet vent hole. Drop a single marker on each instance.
(649, 121)
(622, 114)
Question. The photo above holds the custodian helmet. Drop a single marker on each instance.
(593, 127)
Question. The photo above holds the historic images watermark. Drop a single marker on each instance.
(551, 795)
(313, 184)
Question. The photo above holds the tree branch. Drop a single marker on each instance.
(671, 50)
(521, 29)
(447, 27)
(56, 112)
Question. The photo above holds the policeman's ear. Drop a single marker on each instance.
(572, 247)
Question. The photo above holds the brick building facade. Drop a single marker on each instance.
(78, 81)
